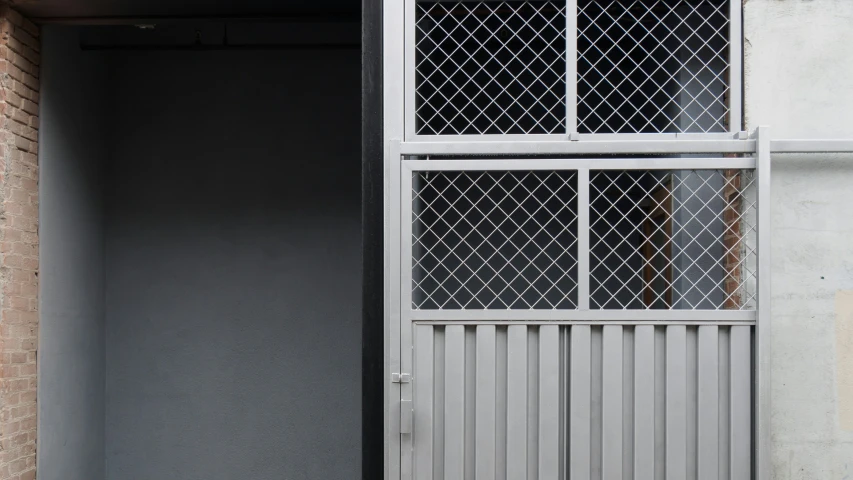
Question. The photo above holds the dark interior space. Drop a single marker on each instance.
(205, 206)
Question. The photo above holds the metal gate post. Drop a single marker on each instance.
(403, 194)
(583, 239)
(394, 337)
(762, 328)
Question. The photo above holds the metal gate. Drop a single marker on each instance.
(574, 254)
(575, 318)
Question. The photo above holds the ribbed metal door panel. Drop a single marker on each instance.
(527, 402)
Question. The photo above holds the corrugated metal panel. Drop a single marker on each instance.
(600, 402)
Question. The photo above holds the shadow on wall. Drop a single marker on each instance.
(233, 266)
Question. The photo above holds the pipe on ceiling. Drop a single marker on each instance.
(164, 19)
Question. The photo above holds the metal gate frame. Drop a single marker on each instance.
(401, 143)
(403, 318)
(405, 44)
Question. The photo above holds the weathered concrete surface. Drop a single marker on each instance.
(799, 80)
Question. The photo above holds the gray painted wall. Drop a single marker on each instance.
(71, 340)
(233, 267)
(200, 264)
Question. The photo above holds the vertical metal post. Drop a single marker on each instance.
(762, 327)
(393, 124)
(571, 67)
(394, 322)
(583, 239)
(735, 65)
(404, 293)
(408, 65)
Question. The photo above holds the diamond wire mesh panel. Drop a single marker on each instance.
(494, 240)
(684, 239)
(490, 67)
(653, 66)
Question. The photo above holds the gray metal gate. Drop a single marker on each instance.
(573, 318)
(574, 251)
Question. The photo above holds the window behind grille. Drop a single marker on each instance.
(636, 66)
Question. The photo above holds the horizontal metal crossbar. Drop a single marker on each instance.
(592, 147)
(622, 147)
(811, 146)
(590, 316)
(574, 164)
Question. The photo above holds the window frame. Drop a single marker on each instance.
(735, 95)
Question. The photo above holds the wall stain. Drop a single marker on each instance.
(844, 357)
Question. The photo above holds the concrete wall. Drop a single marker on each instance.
(71, 349)
(233, 266)
(799, 80)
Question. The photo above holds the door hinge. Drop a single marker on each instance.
(401, 378)
(407, 414)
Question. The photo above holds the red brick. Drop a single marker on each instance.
(26, 38)
(30, 107)
(30, 27)
(13, 71)
(22, 142)
(19, 123)
(13, 17)
(13, 99)
(18, 465)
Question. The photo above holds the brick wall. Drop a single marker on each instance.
(19, 98)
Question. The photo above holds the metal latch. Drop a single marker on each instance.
(406, 416)
(401, 378)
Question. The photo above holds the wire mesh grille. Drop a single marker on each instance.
(681, 239)
(490, 67)
(653, 66)
(494, 240)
